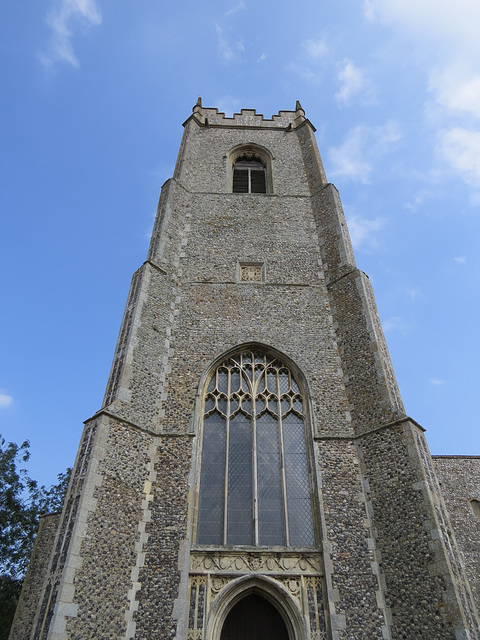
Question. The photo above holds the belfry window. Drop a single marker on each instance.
(249, 175)
(255, 486)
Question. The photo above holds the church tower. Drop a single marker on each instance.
(252, 472)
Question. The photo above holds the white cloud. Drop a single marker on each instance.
(436, 381)
(70, 14)
(316, 49)
(262, 57)
(456, 90)
(456, 114)
(369, 9)
(443, 21)
(362, 146)
(475, 199)
(311, 63)
(304, 72)
(419, 199)
(396, 323)
(363, 232)
(461, 149)
(6, 400)
(229, 105)
(414, 293)
(443, 37)
(348, 160)
(228, 50)
(352, 82)
(241, 6)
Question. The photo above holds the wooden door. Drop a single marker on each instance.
(254, 618)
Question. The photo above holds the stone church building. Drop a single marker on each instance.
(252, 473)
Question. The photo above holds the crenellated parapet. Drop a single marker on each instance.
(207, 116)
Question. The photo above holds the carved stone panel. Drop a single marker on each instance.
(300, 575)
(250, 272)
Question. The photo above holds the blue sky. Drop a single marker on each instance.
(93, 96)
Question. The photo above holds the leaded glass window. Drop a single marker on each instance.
(255, 486)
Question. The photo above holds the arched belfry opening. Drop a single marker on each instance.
(250, 169)
(254, 618)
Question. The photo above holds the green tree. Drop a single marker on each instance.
(22, 502)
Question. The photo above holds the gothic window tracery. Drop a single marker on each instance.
(255, 486)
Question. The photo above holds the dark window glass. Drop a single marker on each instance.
(239, 510)
(270, 503)
(212, 480)
(257, 181)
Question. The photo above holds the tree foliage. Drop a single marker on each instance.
(22, 502)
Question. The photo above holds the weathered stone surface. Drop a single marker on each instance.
(125, 562)
(33, 583)
(459, 479)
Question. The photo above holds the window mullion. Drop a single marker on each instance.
(227, 452)
(249, 180)
(254, 465)
(282, 463)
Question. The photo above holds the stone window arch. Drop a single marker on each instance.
(250, 170)
(255, 486)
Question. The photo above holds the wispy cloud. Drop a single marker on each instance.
(70, 15)
(450, 23)
(455, 105)
(349, 159)
(240, 6)
(316, 49)
(460, 147)
(456, 90)
(228, 49)
(353, 82)
(364, 231)
(312, 60)
(446, 35)
(6, 400)
(413, 293)
(396, 323)
(229, 105)
(460, 259)
(436, 381)
(362, 146)
(424, 195)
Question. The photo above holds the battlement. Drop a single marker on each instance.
(207, 116)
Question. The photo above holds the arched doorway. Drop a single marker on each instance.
(254, 618)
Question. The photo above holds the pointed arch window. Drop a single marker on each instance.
(255, 486)
(249, 175)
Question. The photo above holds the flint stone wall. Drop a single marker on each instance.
(459, 478)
